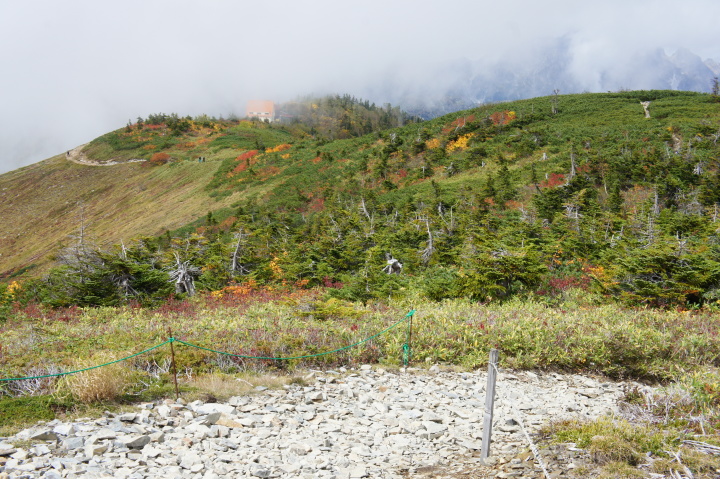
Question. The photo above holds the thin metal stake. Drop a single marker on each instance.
(489, 405)
(409, 340)
(174, 367)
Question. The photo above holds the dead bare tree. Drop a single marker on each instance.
(716, 137)
(650, 230)
(646, 107)
(240, 242)
(430, 248)
(699, 168)
(526, 216)
(615, 239)
(447, 217)
(656, 203)
(393, 266)
(79, 254)
(370, 218)
(573, 167)
(183, 274)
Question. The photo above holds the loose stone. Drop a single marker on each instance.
(344, 424)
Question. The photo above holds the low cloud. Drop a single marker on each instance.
(77, 69)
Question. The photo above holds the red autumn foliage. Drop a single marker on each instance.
(38, 311)
(329, 282)
(554, 180)
(159, 158)
(240, 168)
(502, 117)
(227, 223)
(459, 122)
(244, 160)
(316, 204)
(557, 285)
(247, 155)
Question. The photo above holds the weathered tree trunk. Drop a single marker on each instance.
(393, 266)
(646, 106)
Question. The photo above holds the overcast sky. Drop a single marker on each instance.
(73, 70)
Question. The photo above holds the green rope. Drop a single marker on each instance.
(406, 353)
(409, 315)
(91, 367)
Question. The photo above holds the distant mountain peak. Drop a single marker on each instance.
(558, 65)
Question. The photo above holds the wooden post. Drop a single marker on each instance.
(489, 405)
(172, 363)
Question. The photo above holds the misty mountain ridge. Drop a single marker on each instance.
(465, 83)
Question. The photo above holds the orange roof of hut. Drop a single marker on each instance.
(263, 109)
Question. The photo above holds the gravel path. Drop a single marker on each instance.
(343, 424)
(76, 155)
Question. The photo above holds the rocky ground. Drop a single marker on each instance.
(343, 424)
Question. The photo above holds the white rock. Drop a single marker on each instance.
(64, 429)
(358, 472)
(210, 408)
(40, 450)
(370, 423)
(127, 417)
(73, 443)
(105, 433)
(432, 430)
(95, 449)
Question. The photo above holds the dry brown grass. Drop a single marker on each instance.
(104, 383)
(610, 449)
(116, 202)
(220, 387)
(701, 464)
(619, 470)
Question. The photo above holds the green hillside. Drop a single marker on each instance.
(570, 233)
(535, 197)
(114, 190)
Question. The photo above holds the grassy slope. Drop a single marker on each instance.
(127, 200)
(605, 122)
(120, 201)
(42, 204)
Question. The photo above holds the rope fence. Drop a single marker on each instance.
(88, 368)
(344, 348)
(493, 372)
(406, 349)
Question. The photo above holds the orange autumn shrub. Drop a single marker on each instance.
(281, 147)
(159, 158)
